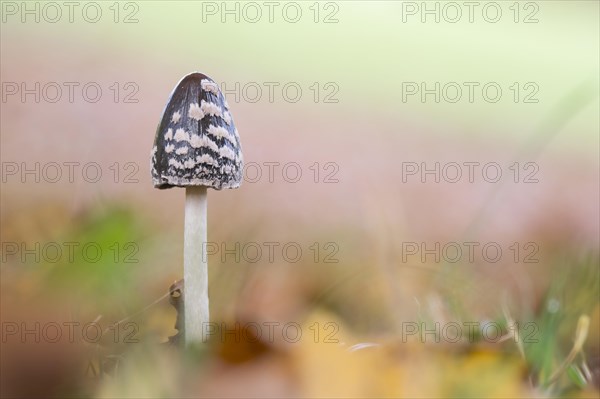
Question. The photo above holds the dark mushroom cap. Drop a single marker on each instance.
(196, 143)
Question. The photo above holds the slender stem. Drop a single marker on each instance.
(195, 268)
(583, 325)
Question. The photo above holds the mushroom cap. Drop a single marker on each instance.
(196, 142)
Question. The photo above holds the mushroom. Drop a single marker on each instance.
(196, 146)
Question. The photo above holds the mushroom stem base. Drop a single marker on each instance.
(195, 267)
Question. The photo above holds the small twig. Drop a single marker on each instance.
(580, 336)
(586, 369)
(515, 331)
(112, 326)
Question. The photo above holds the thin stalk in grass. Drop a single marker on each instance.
(195, 266)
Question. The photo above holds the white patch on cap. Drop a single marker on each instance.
(169, 148)
(153, 153)
(211, 86)
(206, 159)
(227, 117)
(226, 152)
(219, 132)
(181, 151)
(189, 163)
(175, 163)
(211, 108)
(176, 117)
(197, 142)
(195, 112)
(169, 134)
(181, 135)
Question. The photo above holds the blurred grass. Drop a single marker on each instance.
(565, 111)
(474, 369)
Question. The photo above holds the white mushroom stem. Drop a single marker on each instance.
(195, 265)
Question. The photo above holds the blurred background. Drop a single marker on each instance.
(412, 169)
